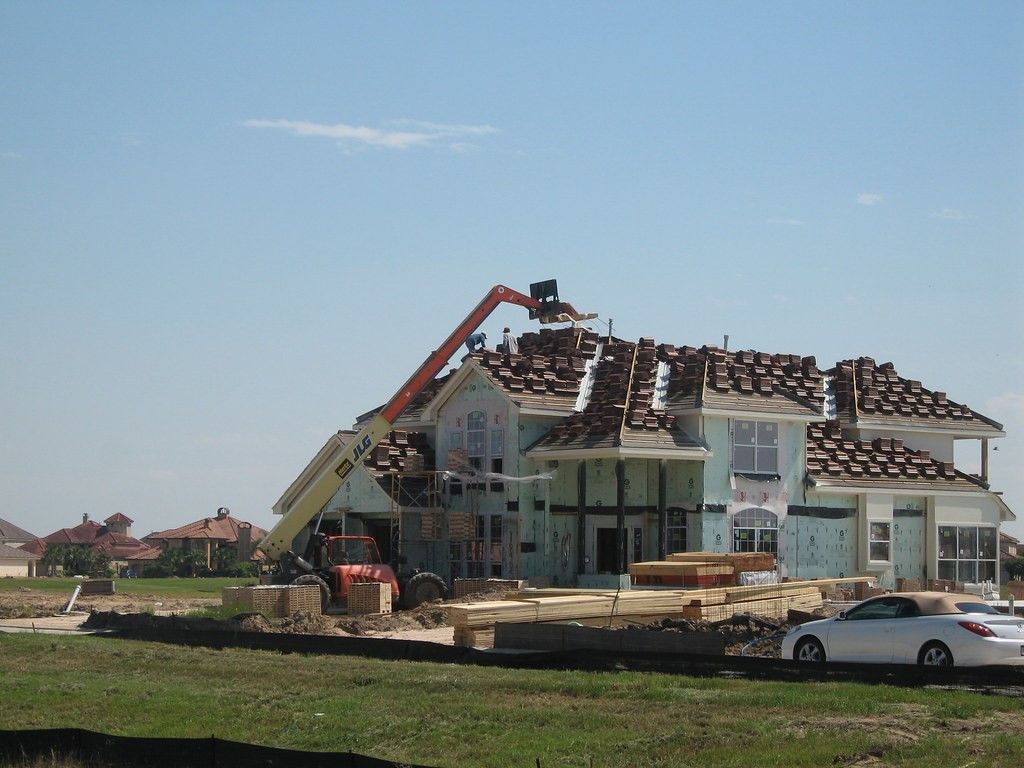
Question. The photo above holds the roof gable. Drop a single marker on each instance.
(746, 380)
(215, 528)
(11, 532)
(620, 412)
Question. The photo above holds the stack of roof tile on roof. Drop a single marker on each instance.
(710, 377)
(866, 390)
(396, 451)
(548, 367)
(620, 411)
(883, 460)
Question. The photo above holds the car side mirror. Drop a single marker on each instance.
(841, 616)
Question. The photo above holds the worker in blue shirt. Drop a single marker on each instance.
(476, 339)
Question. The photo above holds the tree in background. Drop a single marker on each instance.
(1015, 567)
(75, 560)
(179, 561)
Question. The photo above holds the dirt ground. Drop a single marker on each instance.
(426, 622)
(31, 603)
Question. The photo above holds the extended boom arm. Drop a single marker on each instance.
(542, 303)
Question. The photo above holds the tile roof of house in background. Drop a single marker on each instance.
(11, 532)
(117, 517)
(8, 552)
(221, 528)
(93, 535)
(834, 459)
(546, 371)
(620, 412)
(866, 391)
(745, 380)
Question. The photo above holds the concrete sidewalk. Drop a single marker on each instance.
(63, 624)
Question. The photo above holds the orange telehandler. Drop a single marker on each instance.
(335, 562)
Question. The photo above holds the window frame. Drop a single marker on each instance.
(963, 563)
(759, 432)
(872, 541)
(765, 538)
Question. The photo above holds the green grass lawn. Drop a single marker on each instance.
(171, 587)
(463, 716)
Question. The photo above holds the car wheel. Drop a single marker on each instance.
(935, 654)
(809, 649)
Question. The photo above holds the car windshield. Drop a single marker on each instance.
(976, 608)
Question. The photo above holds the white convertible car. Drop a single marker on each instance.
(935, 628)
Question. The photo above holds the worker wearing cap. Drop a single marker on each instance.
(510, 342)
(476, 339)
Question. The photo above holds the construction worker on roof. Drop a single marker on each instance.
(476, 339)
(510, 342)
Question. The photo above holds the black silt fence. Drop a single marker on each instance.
(94, 749)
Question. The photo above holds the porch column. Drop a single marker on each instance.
(662, 505)
(581, 516)
(620, 518)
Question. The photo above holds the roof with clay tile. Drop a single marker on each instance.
(873, 393)
(832, 458)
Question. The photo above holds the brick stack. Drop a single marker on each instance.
(369, 597)
(401, 451)
(274, 601)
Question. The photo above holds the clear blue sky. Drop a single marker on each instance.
(227, 229)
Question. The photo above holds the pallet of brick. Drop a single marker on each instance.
(681, 574)
(275, 601)
(458, 458)
(369, 597)
(461, 526)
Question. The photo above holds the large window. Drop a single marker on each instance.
(755, 447)
(676, 531)
(967, 553)
(476, 438)
(755, 530)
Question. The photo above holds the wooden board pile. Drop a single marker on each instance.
(474, 622)
(699, 569)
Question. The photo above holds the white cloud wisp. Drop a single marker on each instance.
(402, 134)
(870, 198)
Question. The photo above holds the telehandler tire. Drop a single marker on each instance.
(422, 588)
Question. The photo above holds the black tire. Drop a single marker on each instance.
(935, 654)
(325, 592)
(422, 588)
(809, 649)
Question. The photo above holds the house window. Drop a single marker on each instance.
(755, 447)
(476, 438)
(967, 553)
(676, 531)
(484, 553)
(879, 541)
(755, 530)
(455, 439)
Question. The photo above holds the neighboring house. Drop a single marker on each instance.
(16, 562)
(113, 538)
(210, 534)
(580, 455)
(1008, 547)
(14, 536)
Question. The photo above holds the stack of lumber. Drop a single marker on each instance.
(699, 569)
(474, 622)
